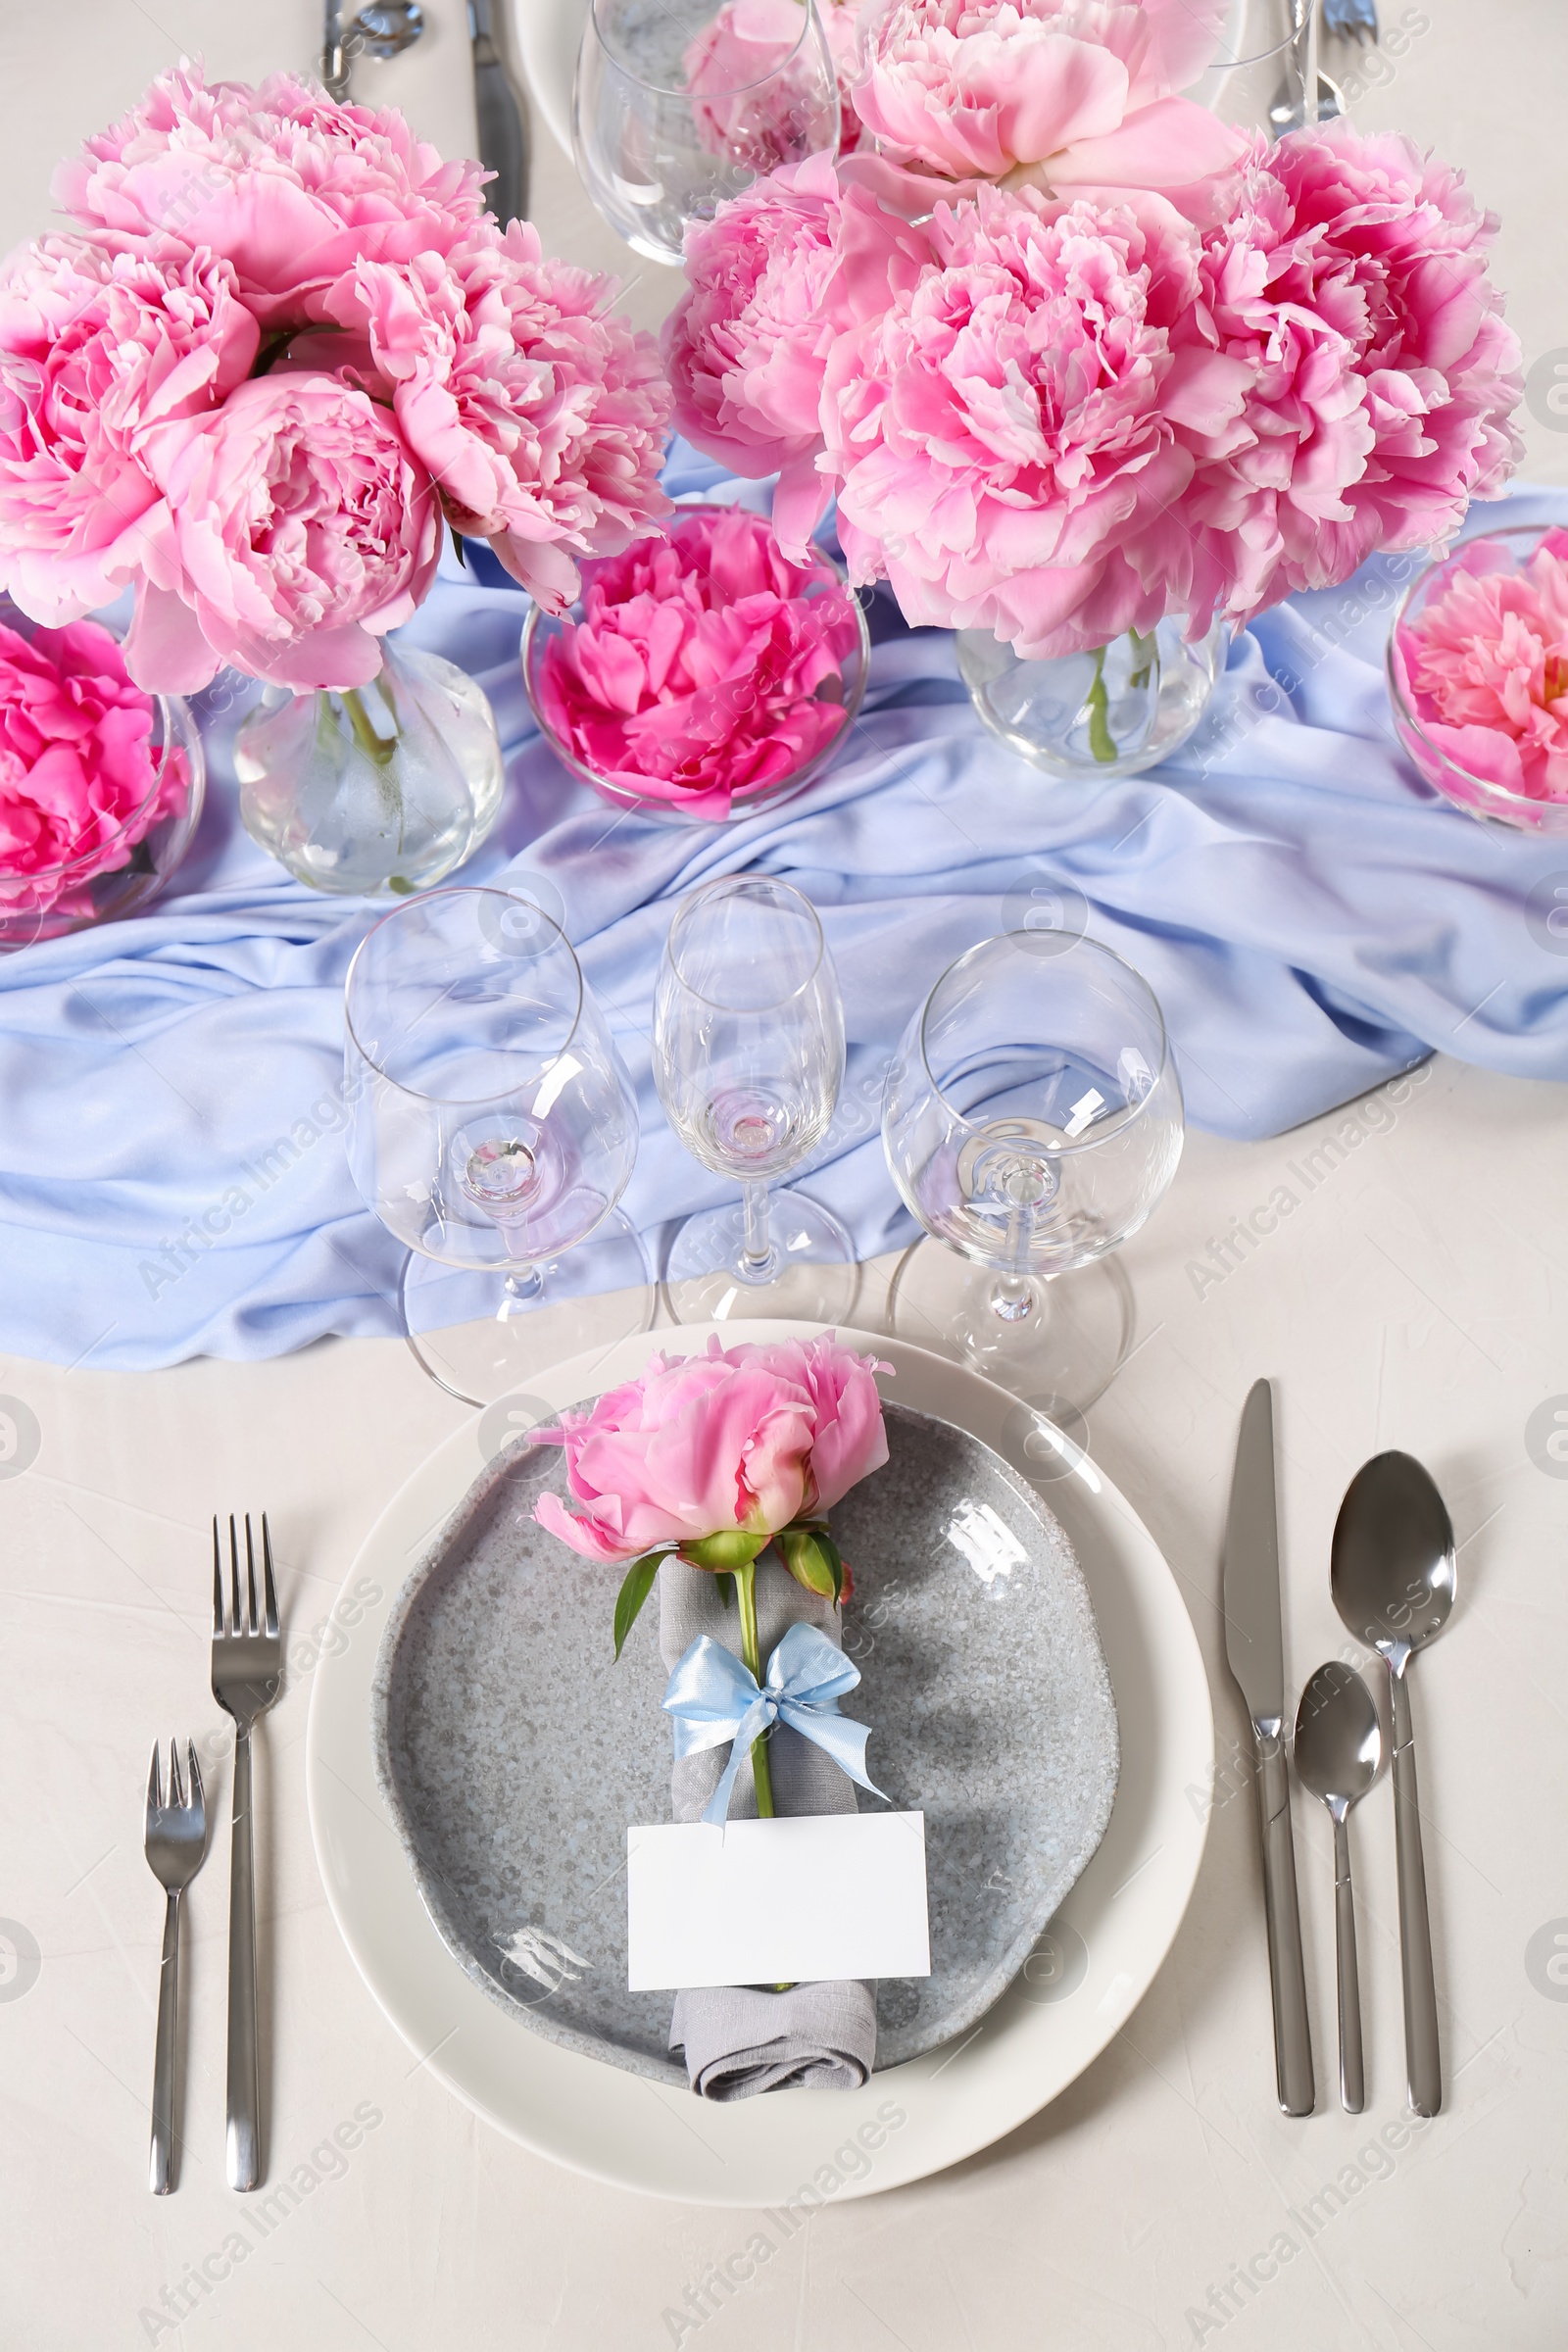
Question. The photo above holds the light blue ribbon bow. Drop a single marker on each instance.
(713, 1696)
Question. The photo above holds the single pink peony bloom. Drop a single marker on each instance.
(1063, 93)
(706, 664)
(1006, 436)
(294, 530)
(1483, 666)
(710, 1444)
(1351, 283)
(80, 784)
(101, 355)
(292, 188)
(777, 277)
(540, 415)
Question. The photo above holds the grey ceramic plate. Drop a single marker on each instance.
(512, 1752)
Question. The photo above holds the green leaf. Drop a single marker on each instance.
(725, 1582)
(633, 1592)
(459, 550)
(835, 1561)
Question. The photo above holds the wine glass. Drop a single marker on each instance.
(1032, 1118)
(680, 102)
(493, 1128)
(747, 1059)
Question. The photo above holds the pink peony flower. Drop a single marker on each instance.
(1066, 94)
(539, 414)
(292, 188)
(1483, 666)
(294, 529)
(775, 281)
(1352, 286)
(715, 1444)
(1008, 436)
(706, 664)
(80, 786)
(102, 355)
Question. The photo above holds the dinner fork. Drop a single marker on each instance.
(176, 1841)
(247, 1669)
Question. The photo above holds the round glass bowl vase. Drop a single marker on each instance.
(1450, 758)
(375, 791)
(122, 868)
(675, 803)
(1112, 713)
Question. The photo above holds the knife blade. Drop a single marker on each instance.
(1255, 1650)
(502, 140)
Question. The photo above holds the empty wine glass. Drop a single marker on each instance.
(492, 1128)
(747, 1059)
(1032, 1118)
(680, 102)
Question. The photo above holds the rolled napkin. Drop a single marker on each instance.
(738, 2041)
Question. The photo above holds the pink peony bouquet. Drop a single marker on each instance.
(1058, 387)
(713, 1457)
(1483, 666)
(282, 342)
(81, 785)
(706, 665)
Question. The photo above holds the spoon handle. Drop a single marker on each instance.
(1423, 2067)
(1353, 2080)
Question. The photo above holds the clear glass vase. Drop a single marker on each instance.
(1112, 713)
(377, 790)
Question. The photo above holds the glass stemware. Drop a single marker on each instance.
(492, 1128)
(747, 1059)
(680, 102)
(1032, 1118)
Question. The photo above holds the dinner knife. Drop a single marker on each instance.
(1256, 1652)
(503, 141)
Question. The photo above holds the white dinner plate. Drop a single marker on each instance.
(1090, 1969)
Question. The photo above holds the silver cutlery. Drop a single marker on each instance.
(1255, 1649)
(502, 140)
(1357, 20)
(1339, 1746)
(1393, 1578)
(246, 1670)
(175, 1839)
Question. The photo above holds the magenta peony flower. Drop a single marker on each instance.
(1352, 286)
(1485, 667)
(774, 279)
(289, 186)
(706, 664)
(1068, 93)
(293, 530)
(715, 1444)
(539, 414)
(1008, 436)
(102, 355)
(80, 786)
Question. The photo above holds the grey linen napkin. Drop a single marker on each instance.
(739, 2040)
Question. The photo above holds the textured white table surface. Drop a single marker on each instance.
(1413, 1296)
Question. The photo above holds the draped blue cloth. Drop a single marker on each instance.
(1312, 918)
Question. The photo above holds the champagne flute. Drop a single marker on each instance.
(1032, 1118)
(747, 1059)
(492, 1128)
(680, 102)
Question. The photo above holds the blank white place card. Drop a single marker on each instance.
(774, 1903)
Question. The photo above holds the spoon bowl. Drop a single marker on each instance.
(1339, 1740)
(1392, 1571)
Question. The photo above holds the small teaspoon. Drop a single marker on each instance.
(1339, 1746)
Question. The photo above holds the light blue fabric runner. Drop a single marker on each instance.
(173, 1180)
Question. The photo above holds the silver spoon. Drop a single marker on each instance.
(1394, 1584)
(1339, 1746)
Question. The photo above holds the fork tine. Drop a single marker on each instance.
(266, 1579)
(236, 1624)
(251, 1625)
(197, 1796)
(218, 1583)
(155, 1786)
(176, 1786)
